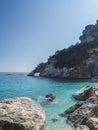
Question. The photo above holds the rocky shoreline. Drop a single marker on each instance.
(79, 61)
(23, 113)
(84, 114)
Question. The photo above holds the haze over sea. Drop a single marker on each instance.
(19, 84)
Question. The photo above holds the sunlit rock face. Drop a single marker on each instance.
(21, 114)
(51, 71)
(88, 69)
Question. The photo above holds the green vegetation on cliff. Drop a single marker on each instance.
(76, 61)
(74, 55)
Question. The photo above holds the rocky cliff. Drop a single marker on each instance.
(76, 61)
(90, 33)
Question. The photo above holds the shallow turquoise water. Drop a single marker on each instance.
(19, 84)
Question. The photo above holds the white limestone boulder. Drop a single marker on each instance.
(84, 93)
(21, 114)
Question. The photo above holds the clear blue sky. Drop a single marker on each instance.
(32, 30)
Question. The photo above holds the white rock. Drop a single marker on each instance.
(21, 114)
(93, 123)
(84, 93)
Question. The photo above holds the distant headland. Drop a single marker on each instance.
(77, 61)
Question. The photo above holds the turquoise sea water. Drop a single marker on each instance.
(19, 84)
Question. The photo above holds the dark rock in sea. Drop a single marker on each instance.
(21, 114)
(50, 97)
(54, 120)
(84, 93)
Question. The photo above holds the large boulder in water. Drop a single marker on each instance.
(84, 93)
(21, 114)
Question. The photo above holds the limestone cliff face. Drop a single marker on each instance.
(88, 69)
(78, 61)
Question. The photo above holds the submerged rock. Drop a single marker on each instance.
(21, 114)
(54, 120)
(62, 115)
(84, 93)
